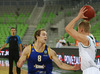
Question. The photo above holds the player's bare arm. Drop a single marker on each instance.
(3, 46)
(73, 33)
(23, 57)
(61, 64)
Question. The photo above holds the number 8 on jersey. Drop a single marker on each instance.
(39, 58)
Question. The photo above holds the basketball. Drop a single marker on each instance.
(90, 13)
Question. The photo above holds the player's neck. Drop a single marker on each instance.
(86, 33)
(39, 46)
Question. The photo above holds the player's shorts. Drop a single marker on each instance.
(91, 70)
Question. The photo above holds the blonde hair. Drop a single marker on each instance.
(86, 25)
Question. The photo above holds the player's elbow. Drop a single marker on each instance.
(67, 29)
(19, 65)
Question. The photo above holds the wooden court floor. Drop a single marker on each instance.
(5, 70)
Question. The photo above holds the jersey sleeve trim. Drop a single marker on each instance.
(29, 52)
(49, 52)
(86, 46)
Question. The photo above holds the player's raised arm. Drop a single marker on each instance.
(61, 64)
(72, 32)
(23, 57)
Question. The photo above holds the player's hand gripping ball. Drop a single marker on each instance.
(90, 13)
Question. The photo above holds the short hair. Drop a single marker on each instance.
(86, 25)
(37, 33)
(13, 28)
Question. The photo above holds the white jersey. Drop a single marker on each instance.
(88, 53)
(62, 41)
(58, 45)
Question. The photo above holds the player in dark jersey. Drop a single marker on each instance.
(14, 44)
(40, 56)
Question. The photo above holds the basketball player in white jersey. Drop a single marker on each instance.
(87, 47)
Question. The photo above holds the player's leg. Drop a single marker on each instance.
(10, 64)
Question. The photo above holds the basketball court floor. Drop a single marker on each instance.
(4, 68)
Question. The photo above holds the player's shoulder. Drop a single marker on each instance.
(91, 37)
(27, 49)
(52, 52)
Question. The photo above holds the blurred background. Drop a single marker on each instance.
(27, 16)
